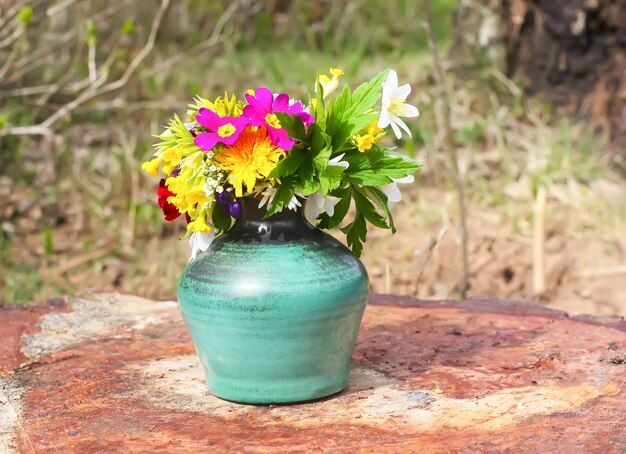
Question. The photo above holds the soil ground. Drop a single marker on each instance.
(584, 253)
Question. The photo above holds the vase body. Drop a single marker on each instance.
(273, 308)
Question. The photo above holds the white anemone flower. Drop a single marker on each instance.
(394, 105)
(200, 242)
(268, 194)
(392, 191)
(336, 161)
(318, 204)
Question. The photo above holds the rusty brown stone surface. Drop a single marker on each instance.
(119, 374)
(16, 321)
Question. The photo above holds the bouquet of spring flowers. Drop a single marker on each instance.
(281, 152)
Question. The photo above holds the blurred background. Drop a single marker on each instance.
(523, 115)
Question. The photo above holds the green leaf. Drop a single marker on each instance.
(221, 221)
(318, 139)
(341, 209)
(290, 164)
(307, 172)
(342, 103)
(330, 178)
(349, 114)
(309, 187)
(367, 209)
(320, 150)
(282, 197)
(293, 124)
(377, 167)
(320, 161)
(356, 232)
(367, 94)
(380, 199)
(25, 16)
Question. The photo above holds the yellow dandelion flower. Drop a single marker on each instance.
(249, 159)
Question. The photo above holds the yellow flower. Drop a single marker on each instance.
(249, 159)
(313, 104)
(178, 201)
(373, 128)
(223, 106)
(272, 120)
(173, 154)
(226, 130)
(199, 224)
(364, 142)
(197, 195)
(152, 166)
(168, 168)
(329, 85)
(176, 184)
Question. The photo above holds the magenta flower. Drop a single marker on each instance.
(224, 130)
(261, 109)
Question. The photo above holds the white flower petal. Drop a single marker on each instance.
(336, 161)
(384, 119)
(200, 242)
(314, 207)
(396, 130)
(294, 203)
(409, 111)
(404, 180)
(402, 92)
(318, 204)
(329, 204)
(392, 192)
(392, 80)
(400, 123)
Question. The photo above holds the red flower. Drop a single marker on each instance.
(169, 210)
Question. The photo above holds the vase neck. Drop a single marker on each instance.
(288, 225)
(250, 212)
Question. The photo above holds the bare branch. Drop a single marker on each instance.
(98, 88)
(215, 38)
(25, 131)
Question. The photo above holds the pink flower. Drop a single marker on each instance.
(261, 109)
(224, 130)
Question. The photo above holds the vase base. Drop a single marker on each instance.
(277, 393)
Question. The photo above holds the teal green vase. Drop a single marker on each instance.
(273, 308)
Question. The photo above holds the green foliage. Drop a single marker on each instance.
(48, 241)
(129, 27)
(284, 194)
(378, 167)
(351, 112)
(221, 220)
(25, 16)
(91, 32)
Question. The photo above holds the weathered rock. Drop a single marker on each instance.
(119, 374)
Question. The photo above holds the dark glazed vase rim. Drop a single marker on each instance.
(288, 225)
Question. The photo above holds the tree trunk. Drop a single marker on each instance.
(572, 51)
